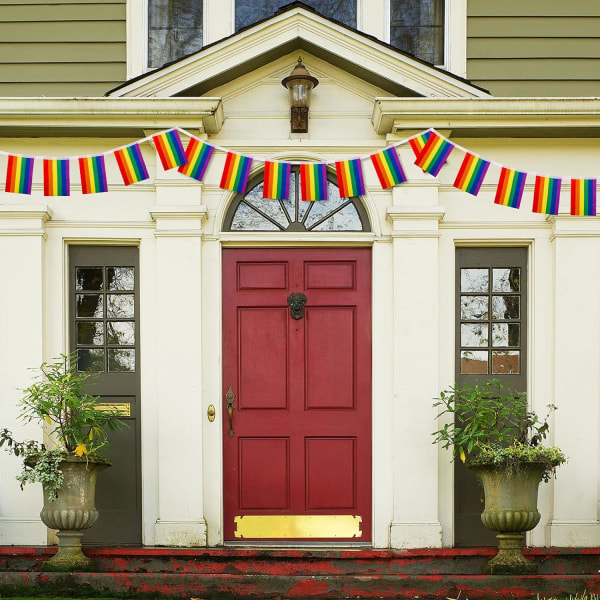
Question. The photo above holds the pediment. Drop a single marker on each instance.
(297, 29)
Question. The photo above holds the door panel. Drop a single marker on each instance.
(298, 464)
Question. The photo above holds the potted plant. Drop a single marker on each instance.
(495, 434)
(77, 427)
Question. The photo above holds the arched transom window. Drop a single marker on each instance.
(252, 212)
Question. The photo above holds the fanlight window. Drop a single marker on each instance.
(252, 212)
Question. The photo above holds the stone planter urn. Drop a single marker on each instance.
(510, 509)
(72, 512)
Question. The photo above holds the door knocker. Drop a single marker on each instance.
(296, 302)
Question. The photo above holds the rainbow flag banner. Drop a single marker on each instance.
(56, 177)
(236, 172)
(198, 156)
(583, 197)
(170, 149)
(418, 143)
(277, 180)
(313, 181)
(471, 174)
(546, 195)
(93, 174)
(131, 164)
(388, 168)
(510, 188)
(350, 178)
(19, 174)
(434, 155)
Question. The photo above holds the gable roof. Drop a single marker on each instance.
(297, 27)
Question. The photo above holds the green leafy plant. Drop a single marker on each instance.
(492, 425)
(77, 427)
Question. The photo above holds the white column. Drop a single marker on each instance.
(22, 238)
(576, 382)
(415, 307)
(178, 234)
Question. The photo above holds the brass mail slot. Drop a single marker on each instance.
(298, 526)
(123, 408)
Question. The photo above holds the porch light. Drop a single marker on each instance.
(299, 83)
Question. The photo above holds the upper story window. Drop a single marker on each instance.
(418, 28)
(251, 11)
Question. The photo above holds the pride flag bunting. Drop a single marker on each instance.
(313, 181)
(546, 195)
(170, 149)
(277, 180)
(236, 172)
(198, 156)
(418, 142)
(350, 178)
(510, 188)
(471, 174)
(583, 197)
(388, 168)
(93, 174)
(56, 177)
(434, 155)
(131, 164)
(19, 174)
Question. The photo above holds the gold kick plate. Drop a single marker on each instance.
(298, 526)
(123, 408)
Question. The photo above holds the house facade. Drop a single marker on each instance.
(277, 360)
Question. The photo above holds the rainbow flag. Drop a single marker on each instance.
(131, 164)
(277, 180)
(388, 168)
(546, 195)
(93, 174)
(471, 174)
(583, 197)
(350, 178)
(19, 174)
(313, 181)
(418, 143)
(56, 177)
(510, 188)
(198, 156)
(236, 172)
(434, 155)
(170, 149)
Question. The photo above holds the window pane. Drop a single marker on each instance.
(248, 12)
(474, 335)
(506, 334)
(506, 308)
(89, 305)
(504, 363)
(269, 207)
(120, 306)
(120, 333)
(474, 280)
(506, 280)
(418, 28)
(174, 30)
(121, 360)
(120, 278)
(89, 278)
(247, 219)
(474, 308)
(90, 332)
(90, 359)
(474, 362)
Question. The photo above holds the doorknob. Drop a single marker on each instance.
(230, 399)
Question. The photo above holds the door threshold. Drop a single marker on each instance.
(293, 545)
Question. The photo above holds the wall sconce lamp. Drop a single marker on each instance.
(299, 83)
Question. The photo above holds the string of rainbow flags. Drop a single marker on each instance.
(431, 150)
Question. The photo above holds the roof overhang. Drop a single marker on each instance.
(104, 117)
(500, 117)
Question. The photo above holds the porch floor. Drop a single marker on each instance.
(301, 573)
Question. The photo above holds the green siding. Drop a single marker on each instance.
(62, 47)
(534, 47)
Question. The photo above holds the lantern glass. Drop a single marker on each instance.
(300, 92)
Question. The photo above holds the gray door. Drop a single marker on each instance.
(104, 309)
(491, 342)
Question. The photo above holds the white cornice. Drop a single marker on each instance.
(521, 116)
(69, 115)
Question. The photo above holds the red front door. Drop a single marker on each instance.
(297, 447)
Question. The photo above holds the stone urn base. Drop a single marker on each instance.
(72, 512)
(510, 560)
